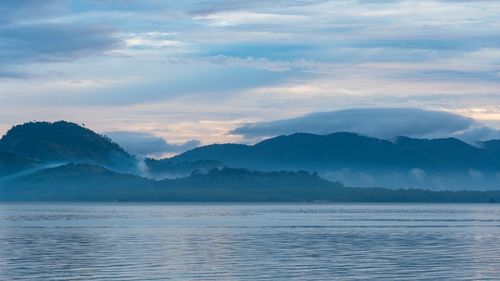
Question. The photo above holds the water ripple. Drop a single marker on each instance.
(249, 242)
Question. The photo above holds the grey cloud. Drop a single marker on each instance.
(447, 75)
(445, 43)
(7, 74)
(53, 42)
(28, 35)
(145, 144)
(20, 10)
(210, 80)
(383, 123)
(228, 5)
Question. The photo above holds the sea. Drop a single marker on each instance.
(162, 241)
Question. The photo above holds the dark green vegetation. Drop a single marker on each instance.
(166, 168)
(62, 161)
(84, 182)
(11, 163)
(63, 142)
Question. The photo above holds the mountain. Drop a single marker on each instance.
(35, 145)
(365, 161)
(85, 182)
(72, 182)
(342, 157)
(491, 145)
(63, 142)
(11, 164)
(306, 151)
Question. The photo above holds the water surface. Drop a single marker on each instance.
(249, 242)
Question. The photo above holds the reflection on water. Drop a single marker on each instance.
(249, 242)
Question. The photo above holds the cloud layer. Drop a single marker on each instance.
(203, 66)
(28, 36)
(385, 123)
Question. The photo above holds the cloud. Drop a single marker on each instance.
(53, 42)
(481, 133)
(250, 62)
(8, 74)
(145, 144)
(203, 79)
(210, 7)
(244, 17)
(30, 32)
(242, 59)
(383, 123)
(22, 10)
(275, 50)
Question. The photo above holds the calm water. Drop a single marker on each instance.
(249, 242)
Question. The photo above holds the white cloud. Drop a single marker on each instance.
(154, 40)
(251, 62)
(230, 18)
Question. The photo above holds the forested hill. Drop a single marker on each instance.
(90, 183)
(62, 142)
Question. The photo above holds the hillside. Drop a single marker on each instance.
(84, 182)
(165, 168)
(306, 151)
(344, 157)
(11, 163)
(63, 142)
(363, 161)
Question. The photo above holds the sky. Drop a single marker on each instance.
(172, 75)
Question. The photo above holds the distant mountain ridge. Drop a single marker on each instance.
(357, 160)
(343, 157)
(340, 150)
(68, 142)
